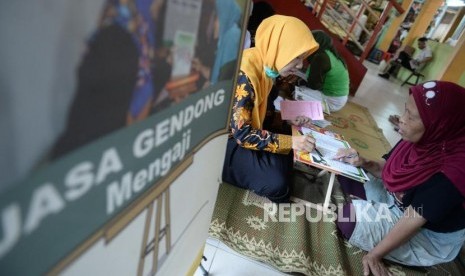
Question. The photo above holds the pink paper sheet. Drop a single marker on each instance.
(311, 109)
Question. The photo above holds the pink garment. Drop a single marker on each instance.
(441, 148)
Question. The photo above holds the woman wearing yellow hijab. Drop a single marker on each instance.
(258, 159)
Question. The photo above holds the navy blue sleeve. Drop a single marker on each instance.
(435, 199)
(386, 156)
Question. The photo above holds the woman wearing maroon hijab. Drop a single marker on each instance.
(412, 210)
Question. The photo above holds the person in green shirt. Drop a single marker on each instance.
(327, 72)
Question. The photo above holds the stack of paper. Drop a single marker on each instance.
(302, 93)
(277, 103)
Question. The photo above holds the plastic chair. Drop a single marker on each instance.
(414, 74)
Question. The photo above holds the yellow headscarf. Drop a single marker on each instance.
(278, 41)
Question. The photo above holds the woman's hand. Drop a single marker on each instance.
(202, 69)
(303, 143)
(301, 121)
(373, 264)
(348, 156)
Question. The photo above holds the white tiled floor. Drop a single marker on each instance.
(383, 98)
(221, 260)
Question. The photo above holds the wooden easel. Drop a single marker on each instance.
(160, 231)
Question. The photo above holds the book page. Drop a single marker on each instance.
(335, 164)
(326, 148)
(302, 93)
(325, 141)
(181, 15)
(183, 52)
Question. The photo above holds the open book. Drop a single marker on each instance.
(326, 149)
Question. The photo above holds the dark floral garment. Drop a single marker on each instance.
(241, 122)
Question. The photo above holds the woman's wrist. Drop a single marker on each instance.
(374, 252)
(364, 163)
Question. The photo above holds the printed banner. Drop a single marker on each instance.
(96, 109)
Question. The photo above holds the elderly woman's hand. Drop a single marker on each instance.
(348, 156)
(301, 121)
(303, 143)
(375, 265)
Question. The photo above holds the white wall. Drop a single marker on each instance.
(193, 197)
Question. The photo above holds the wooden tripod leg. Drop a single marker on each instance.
(167, 221)
(148, 216)
(156, 238)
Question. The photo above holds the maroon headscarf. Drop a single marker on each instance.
(441, 148)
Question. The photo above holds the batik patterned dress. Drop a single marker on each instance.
(241, 123)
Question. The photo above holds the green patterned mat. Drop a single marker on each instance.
(298, 246)
(359, 128)
(301, 246)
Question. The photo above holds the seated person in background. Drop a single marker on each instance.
(258, 159)
(327, 72)
(412, 211)
(229, 37)
(260, 11)
(414, 64)
(206, 43)
(226, 35)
